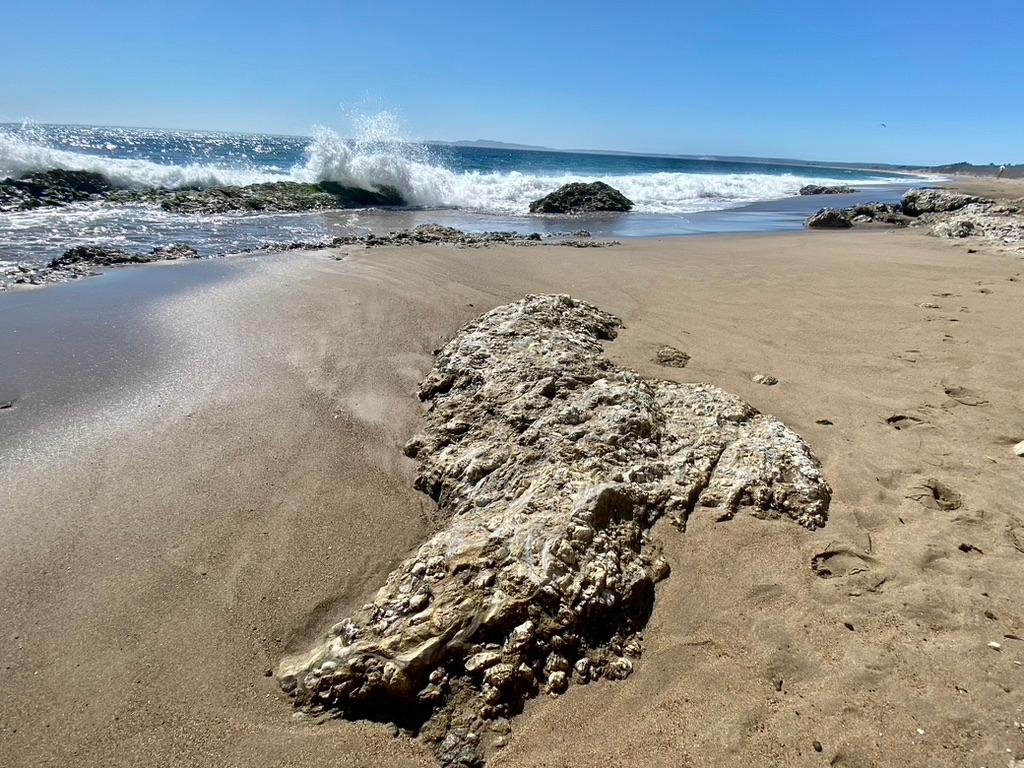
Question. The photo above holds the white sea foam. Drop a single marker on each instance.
(377, 160)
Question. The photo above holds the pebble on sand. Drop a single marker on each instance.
(1018, 449)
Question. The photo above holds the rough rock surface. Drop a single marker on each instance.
(830, 218)
(98, 256)
(40, 189)
(918, 201)
(947, 214)
(671, 357)
(550, 465)
(818, 189)
(80, 261)
(578, 197)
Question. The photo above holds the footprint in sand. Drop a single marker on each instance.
(935, 494)
(840, 562)
(963, 395)
(901, 421)
(907, 355)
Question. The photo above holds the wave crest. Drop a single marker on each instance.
(380, 160)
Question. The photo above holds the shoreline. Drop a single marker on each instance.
(172, 533)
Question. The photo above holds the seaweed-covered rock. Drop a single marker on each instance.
(830, 218)
(927, 200)
(818, 189)
(579, 197)
(550, 465)
(55, 187)
(278, 197)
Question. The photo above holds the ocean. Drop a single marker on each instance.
(474, 188)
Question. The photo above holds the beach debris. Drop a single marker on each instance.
(550, 465)
(764, 378)
(969, 548)
(825, 423)
(1018, 449)
(671, 357)
(580, 197)
(830, 218)
(818, 189)
(995, 646)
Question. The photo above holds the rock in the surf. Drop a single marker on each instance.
(273, 197)
(550, 465)
(579, 197)
(818, 189)
(830, 218)
(56, 187)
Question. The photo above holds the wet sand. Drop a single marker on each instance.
(230, 482)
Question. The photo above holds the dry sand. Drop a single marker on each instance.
(167, 540)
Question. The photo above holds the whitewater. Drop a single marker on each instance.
(418, 171)
(474, 187)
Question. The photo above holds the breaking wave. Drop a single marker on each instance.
(376, 160)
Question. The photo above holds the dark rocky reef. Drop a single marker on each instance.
(817, 189)
(550, 465)
(578, 197)
(59, 187)
(271, 197)
(40, 189)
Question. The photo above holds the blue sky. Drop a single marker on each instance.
(812, 80)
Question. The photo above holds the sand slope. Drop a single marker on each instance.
(172, 538)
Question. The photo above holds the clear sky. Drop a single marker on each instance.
(812, 80)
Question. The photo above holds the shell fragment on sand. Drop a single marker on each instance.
(550, 465)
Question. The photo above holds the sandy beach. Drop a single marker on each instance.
(218, 476)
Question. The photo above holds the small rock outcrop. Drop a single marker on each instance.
(550, 465)
(578, 197)
(817, 189)
(830, 218)
(671, 357)
(947, 214)
(927, 200)
(56, 187)
(98, 256)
